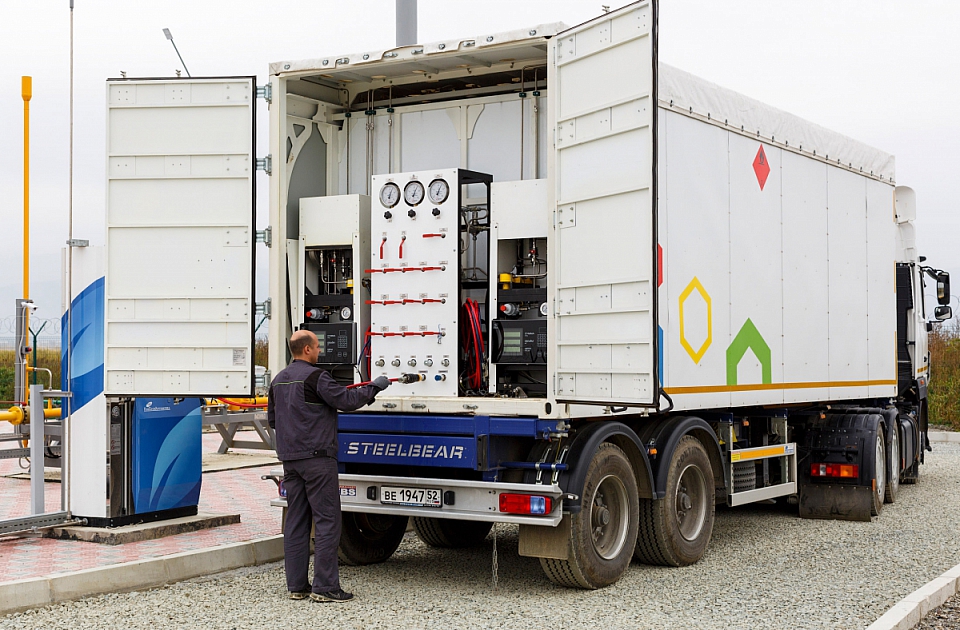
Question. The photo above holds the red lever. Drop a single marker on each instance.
(402, 239)
(384, 242)
(437, 235)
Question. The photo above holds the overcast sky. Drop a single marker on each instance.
(880, 71)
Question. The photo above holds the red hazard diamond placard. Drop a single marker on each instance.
(761, 167)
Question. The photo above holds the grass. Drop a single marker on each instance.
(944, 393)
(46, 358)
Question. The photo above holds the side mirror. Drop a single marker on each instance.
(943, 288)
(943, 313)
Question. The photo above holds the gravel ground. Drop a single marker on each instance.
(765, 568)
(947, 616)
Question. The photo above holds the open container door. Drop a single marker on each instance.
(602, 102)
(180, 237)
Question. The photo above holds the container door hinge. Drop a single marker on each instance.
(78, 242)
(265, 92)
(265, 164)
(264, 308)
(265, 236)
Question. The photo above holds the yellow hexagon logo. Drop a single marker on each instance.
(697, 354)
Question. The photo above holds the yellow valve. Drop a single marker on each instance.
(506, 279)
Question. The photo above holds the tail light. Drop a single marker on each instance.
(841, 471)
(525, 504)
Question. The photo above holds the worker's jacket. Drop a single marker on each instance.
(302, 409)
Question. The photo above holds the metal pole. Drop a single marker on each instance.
(169, 36)
(36, 450)
(26, 84)
(26, 91)
(67, 403)
(406, 22)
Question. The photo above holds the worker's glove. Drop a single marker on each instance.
(381, 383)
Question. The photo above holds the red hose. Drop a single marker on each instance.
(240, 404)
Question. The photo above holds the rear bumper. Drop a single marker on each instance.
(473, 500)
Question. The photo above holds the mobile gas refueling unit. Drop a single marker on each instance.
(612, 294)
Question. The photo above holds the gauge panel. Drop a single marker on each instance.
(439, 191)
(389, 195)
(413, 193)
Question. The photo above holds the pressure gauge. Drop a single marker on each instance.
(439, 191)
(389, 195)
(346, 312)
(413, 193)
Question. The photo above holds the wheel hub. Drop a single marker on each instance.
(691, 502)
(609, 517)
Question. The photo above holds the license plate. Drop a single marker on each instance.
(417, 497)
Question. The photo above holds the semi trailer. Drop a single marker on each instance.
(612, 294)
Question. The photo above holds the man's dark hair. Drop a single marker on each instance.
(299, 343)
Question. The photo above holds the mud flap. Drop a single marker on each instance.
(836, 502)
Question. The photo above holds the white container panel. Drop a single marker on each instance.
(805, 278)
(847, 227)
(179, 130)
(180, 245)
(493, 146)
(429, 140)
(881, 285)
(603, 247)
(756, 281)
(608, 238)
(697, 245)
(170, 269)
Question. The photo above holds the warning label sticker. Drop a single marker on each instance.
(239, 357)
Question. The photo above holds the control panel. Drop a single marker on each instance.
(337, 345)
(414, 280)
(520, 341)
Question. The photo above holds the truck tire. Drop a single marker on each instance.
(449, 533)
(675, 530)
(893, 466)
(369, 538)
(879, 473)
(603, 531)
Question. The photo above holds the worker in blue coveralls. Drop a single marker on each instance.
(302, 409)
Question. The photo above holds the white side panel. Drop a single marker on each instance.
(755, 353)
(805, 277)
(180, 237)
(603, 251)
(519, 208)
(88, 424)
(847, 227)
(881, 285)
(696, 259)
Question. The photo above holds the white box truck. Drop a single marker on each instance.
(613, 294)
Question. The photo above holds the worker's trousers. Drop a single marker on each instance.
(313, 494)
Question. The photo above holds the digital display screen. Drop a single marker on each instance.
(512, 343)
(321, 337)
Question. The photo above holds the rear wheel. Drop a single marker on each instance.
(603, 532)
(893, 466)
(675, 530)
(369, 538)
(449, 533)
(879, 473)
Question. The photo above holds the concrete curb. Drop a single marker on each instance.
(908, 612)
(944, 436)
(139, 574)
